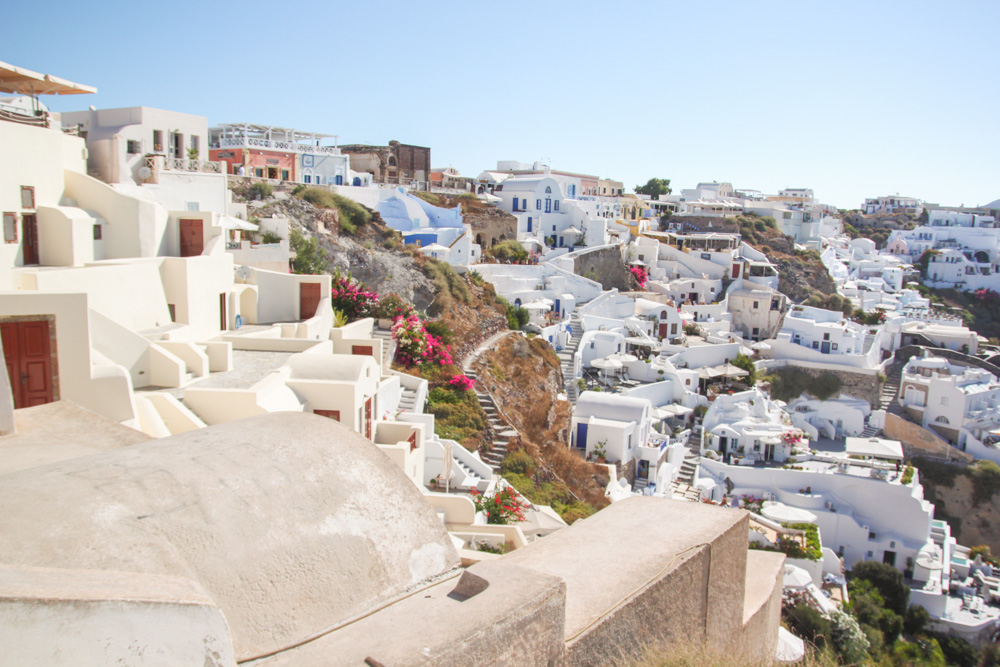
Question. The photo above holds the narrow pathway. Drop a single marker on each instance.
(498, 432)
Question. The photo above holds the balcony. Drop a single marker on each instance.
(159, 163)
(268, 144)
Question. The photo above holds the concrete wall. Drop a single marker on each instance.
(606, 266)
(71, 617)
(861, 383)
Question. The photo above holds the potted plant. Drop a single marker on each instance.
(599, 451)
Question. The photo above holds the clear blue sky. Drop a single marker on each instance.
(852, 99)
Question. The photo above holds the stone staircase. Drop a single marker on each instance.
(890, 389)
(408, 400)
(869, 432)
(566, 358)
(498, 432)
(388, 345)
(683, 486)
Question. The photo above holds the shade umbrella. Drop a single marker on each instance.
(733, 371)
(606, 364)
(625, 358)
(796, 578)
(571, 230)
(761, 346)
(790, 649)
(783, 513)
(448, 460)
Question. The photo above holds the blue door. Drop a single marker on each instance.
(339, 180)
(548, 205)
(825, 347)
(557, 306)
(529, 224)
(581, 436)
(515, 203)
(357, 182)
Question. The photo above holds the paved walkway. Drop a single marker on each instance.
(489, 343)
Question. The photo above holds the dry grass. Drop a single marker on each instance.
(688, 655)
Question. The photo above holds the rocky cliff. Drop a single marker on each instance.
(524, 377)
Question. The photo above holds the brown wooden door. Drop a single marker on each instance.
(363, 349)
(329, 414)
(29, 236)
(192, 238)
(223, 320)
(27, 356)
(663, 330)
(308, 300)
(368, 419)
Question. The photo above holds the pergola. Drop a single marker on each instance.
(21, 81)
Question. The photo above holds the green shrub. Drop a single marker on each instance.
(351, 214)
(518, 462)
(261, 190)
(267, 236)
(809, 624)
(985, 481)
(508, 251)
(309, 257)
(298, 189)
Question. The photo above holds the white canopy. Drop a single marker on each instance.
(571, 230)
(606, 364)
(783, 513)
(434, 247)
(230, 222)
(21, 81)
(876, 448)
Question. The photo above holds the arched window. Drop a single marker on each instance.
(548, 189)
(392, 161)
(942, 420)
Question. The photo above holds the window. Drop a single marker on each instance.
(774, 304)
(548, 190)
(308, 179)
(834, 346)
(557, 204)
(27, 196)
(194, 143)
(942, 420)
(591, 345)
(258, 172)
(133, 147)
(97, 232)
(10, 228)
(826, 336)
(158, 141)
(872, 536)
(815, 344)
(756, 332)
(538, 204)
(944, 400)
(191, 206)
(284, 174)
(756, 304)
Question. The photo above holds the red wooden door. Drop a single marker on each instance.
(27, 356)
(330, 414)
(308, 300)
(663, 330)
(363, 349)
(192, 238)
(29, 236)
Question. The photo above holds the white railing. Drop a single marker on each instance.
(291, 146)
(160, 163)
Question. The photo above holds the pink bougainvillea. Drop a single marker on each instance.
(415, 345)
(351, 297)
(463, 382)
(641, 275)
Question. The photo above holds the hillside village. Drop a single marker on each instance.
(275, 399)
